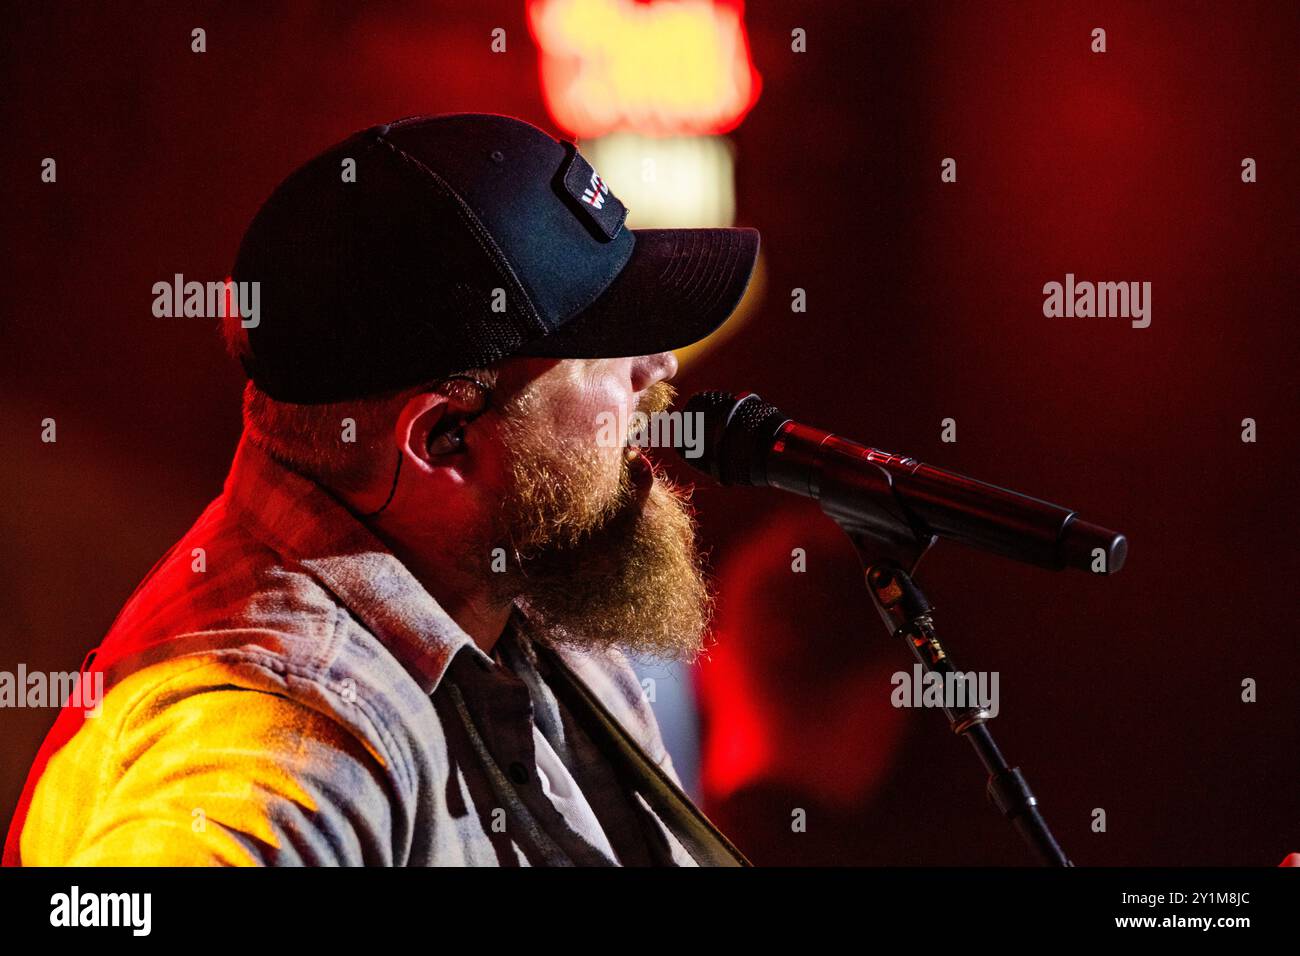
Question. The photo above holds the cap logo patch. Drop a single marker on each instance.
(594, 195)
(590, 197)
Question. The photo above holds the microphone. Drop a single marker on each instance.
(750, 442)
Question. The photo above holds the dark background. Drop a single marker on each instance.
(924, 302)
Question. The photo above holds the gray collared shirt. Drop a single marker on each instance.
(279, 635)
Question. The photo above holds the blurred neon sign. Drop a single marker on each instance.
(665, 68)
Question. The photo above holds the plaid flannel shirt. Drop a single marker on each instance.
(281, 690)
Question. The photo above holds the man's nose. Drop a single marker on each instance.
(648, 369)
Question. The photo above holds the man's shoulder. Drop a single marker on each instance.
(229, 736)
(222, 601)
(219, 576)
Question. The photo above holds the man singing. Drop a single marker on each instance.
(398, 636)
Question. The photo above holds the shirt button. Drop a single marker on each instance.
(518, 773)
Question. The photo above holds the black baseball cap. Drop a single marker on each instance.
(433, 244)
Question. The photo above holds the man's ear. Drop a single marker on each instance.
(422, 420)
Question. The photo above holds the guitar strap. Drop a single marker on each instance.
(705, 843)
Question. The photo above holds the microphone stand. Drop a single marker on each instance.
(890, 547)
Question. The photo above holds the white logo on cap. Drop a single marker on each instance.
(594, 195)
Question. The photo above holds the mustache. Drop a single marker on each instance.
(659, 397)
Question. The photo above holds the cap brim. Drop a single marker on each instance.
(678, 286)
